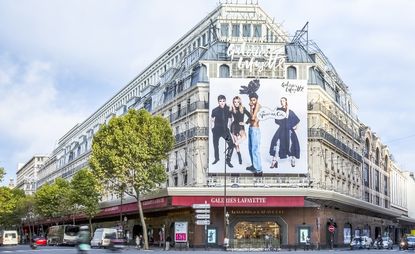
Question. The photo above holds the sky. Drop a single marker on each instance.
(61, 60)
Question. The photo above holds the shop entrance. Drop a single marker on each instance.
(256, 234)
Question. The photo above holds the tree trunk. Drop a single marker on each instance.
(90, 225)
(143, 223)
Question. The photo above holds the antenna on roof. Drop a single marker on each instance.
(299, 36)
(213, 27)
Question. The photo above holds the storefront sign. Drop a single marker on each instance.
(259, 57)
(180, 232)
(246, 201)
(154, 203)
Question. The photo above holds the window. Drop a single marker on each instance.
(235, 30)
(224, 71)
(246, 30)
(366, 175)
(204, 42)
(176, 180)
(315, 77)
(224, 30)
(185, 178)
(203, 73)
(291, 72)
(377, 200)
(385, 185)
(367, 196)
(176, 155)
(377, 160)
(377, 180)
(367, 148)
(179, 110)
(257, 31)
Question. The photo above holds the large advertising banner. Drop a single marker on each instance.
(258, 126)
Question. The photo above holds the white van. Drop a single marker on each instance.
(8, 237)
(102, 237)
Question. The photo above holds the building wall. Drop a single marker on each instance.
(344, 156)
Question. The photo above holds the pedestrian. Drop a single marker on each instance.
(137, 242)
(308, 242)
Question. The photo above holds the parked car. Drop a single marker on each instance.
(40, 241)
(8, 237)
(361, 242)
(102, 237)
(410, 242)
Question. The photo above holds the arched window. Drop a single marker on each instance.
(315, 77)
(386, 163)
(224, 71)
(367, 148)
(203, 73)
(377, 159)
(292, 72)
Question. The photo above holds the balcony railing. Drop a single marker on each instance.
(191, 133)
(322, 134)
(189, 109)
(335, 119)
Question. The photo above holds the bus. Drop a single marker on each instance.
(8, 237)
(62, 235)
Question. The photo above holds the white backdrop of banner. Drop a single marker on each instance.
(269, 93)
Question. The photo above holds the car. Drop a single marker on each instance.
(361, 242)
(410, 242)
(40, 241)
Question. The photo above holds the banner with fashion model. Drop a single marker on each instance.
(258, 126)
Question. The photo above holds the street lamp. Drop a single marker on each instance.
(225, 212)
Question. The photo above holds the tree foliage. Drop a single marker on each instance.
(9, 199)
(54, 200)
(129, 152)
(86, 193)
(2, 174)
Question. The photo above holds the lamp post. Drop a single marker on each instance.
(225, 227)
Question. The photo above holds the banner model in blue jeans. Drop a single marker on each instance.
(254, 137)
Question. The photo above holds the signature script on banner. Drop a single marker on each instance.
(268, 113)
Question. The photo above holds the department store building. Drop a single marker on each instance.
(341, 182)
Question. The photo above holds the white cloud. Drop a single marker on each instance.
(31, 117)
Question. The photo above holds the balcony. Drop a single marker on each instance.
(317, 133)
(189, 109)
(191, 133)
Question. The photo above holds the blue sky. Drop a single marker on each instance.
(61, 60)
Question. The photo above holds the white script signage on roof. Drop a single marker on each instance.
(257, 56)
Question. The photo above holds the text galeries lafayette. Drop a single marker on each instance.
(237, 200)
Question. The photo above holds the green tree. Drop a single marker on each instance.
(25, 210)
(86, 193)
(8, 202)
(54, 200)
(2, 174)
(129, 152)
(13, 217)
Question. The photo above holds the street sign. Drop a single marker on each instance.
(202, 216)
(202, 211)
(331, 229)
(201, 206)
(202, 222)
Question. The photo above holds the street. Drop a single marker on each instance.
(59, 250)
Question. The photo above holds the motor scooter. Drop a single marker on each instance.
(83, 248)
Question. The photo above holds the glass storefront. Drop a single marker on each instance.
(258, 234)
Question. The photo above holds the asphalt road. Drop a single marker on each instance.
(72, 250)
